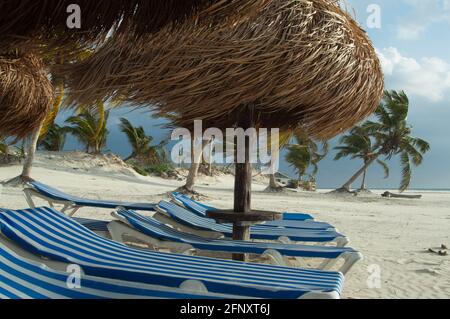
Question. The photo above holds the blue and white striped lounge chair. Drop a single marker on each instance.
(201, 210)
(71, 204)
(98, 226)
(159, 235)
(26, 279)
(287, 216)
(186, 221)
(49, 233)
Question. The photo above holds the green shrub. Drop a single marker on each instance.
(140, 170)
(159, 169)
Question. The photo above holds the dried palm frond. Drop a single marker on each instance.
(23, 22)
(26, 94)
(297, 63)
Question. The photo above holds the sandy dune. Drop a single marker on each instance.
(394, 235)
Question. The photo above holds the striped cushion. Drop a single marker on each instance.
(200, 208)
(56, 194)
(92, 224)
(24, 279)
(52, 234)
(156, 229)
(186, 217)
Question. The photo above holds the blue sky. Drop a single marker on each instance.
(414, 48)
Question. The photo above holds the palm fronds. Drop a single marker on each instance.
(306, 154)
(89, 127)
(140, 142)
(54, 139)
(43, 24)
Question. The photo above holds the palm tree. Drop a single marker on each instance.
(392, 136)
(141, 144)
(358, 144)
(89, 127)
(305, 154)
(54, 139)
(50, 58)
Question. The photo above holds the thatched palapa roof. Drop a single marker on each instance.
(302, 62)
(23, 22)
(40, 27)
(26, 94)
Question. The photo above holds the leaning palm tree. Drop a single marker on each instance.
(359, 144)
(89, 127)
(141, 144)
(54, 139)
(392, 136)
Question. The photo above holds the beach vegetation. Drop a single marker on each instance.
(304, 155)
(142, 149)
(54, 139)
(89, 127)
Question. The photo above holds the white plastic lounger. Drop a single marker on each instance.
(287, 216)
(49, 233)
(71, 204)
(159, 235)
(25, 279)
(186, 221)
(201, 210)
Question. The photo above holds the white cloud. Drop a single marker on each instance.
(424, 14)
(410, 31)
(428, 77)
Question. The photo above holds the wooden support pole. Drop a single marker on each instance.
(243, 186)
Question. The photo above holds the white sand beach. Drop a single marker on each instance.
(394, 235)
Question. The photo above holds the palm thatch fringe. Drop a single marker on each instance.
(26, 94)
(298, 63)
(22, 22)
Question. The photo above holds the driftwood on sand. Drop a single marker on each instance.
(389, 195)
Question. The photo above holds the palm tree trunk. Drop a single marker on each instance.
(363, 182)
(272, 182)
(192, 176)
(193, 170)
(349, 183)
(32, 146)
(273, 185)
(28, 162)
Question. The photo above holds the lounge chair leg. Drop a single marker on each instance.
(28, 198)
(70, 206)
(275, 257)
(284, 240)
(342, 241)
(328, 263)
(115, 231)
(195, 286)
(321, 295)
(189, 252)
(350, 259)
